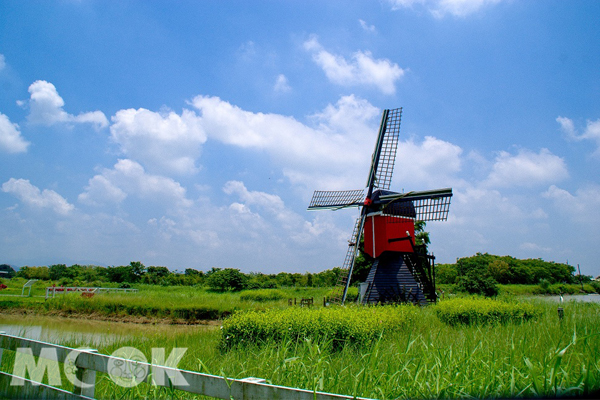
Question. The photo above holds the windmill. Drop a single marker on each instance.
(402, 270)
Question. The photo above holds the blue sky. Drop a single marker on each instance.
(192, 134)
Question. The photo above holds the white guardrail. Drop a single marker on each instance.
(87, 362)
(53, 290)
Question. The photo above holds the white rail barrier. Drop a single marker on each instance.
(66, 289)
(87, 362)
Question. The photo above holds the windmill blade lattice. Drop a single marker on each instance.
(384, 156)
(432, 205)
(336, 199)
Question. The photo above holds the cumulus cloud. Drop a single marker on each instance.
(263, 210)
(328, 153)
(32, 196)
(526, 169)
(161, 141)
(361, 70)
(128, 178)
(440, 8)
(46, 108)
(431, 163)
(582, 206)
(591, 131)
(11, 140)
(271, 203)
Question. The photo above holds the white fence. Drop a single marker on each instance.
(53, 290)
(88, 362)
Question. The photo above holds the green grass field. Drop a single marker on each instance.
(416, 355)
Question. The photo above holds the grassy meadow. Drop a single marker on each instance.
(459, 348)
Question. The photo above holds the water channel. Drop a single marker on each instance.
(85, 332)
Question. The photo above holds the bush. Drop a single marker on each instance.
(474, 311)
(227, 279)
(339, 325)
(474, 283)
(262, 295)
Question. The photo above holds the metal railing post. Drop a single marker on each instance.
(87, 378)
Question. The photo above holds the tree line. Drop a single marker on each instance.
(476, 274)
(480, 273)
(136, 272)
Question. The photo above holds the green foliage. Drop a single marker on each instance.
(477, 283)
(41, 273)
(446, 273)
(8, 271)
(337, 325)
(506, 270)
(477, 311)
(262, 295)
(227, 279)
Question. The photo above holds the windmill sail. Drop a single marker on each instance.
(336, 199)
(430, 205)
(384, 155)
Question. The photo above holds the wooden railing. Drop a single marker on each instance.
(87, 362)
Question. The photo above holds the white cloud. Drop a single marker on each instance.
(161, 141)
(582, 206)
(100, 190)
(11, 140)
(46, 108)
(439, 8)
(281, 84)
(591, 132)
(362, 69)
(430, 164)
(271, 203)
(264, 212)
(367, 27)
(527, 169)
(330, 154)
(128, 178)
(31, 195)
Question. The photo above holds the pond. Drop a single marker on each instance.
(86, 332)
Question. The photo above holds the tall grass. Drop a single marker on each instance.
(426, 358)
(152, 301)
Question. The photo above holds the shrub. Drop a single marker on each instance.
(262, 295)
(474, 283)
(227, 279)
(340, 325)
(472, 311)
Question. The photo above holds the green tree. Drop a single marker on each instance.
(6, 271)
(227, 279)
(137, 270)
(446, 273)
(474, 283)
